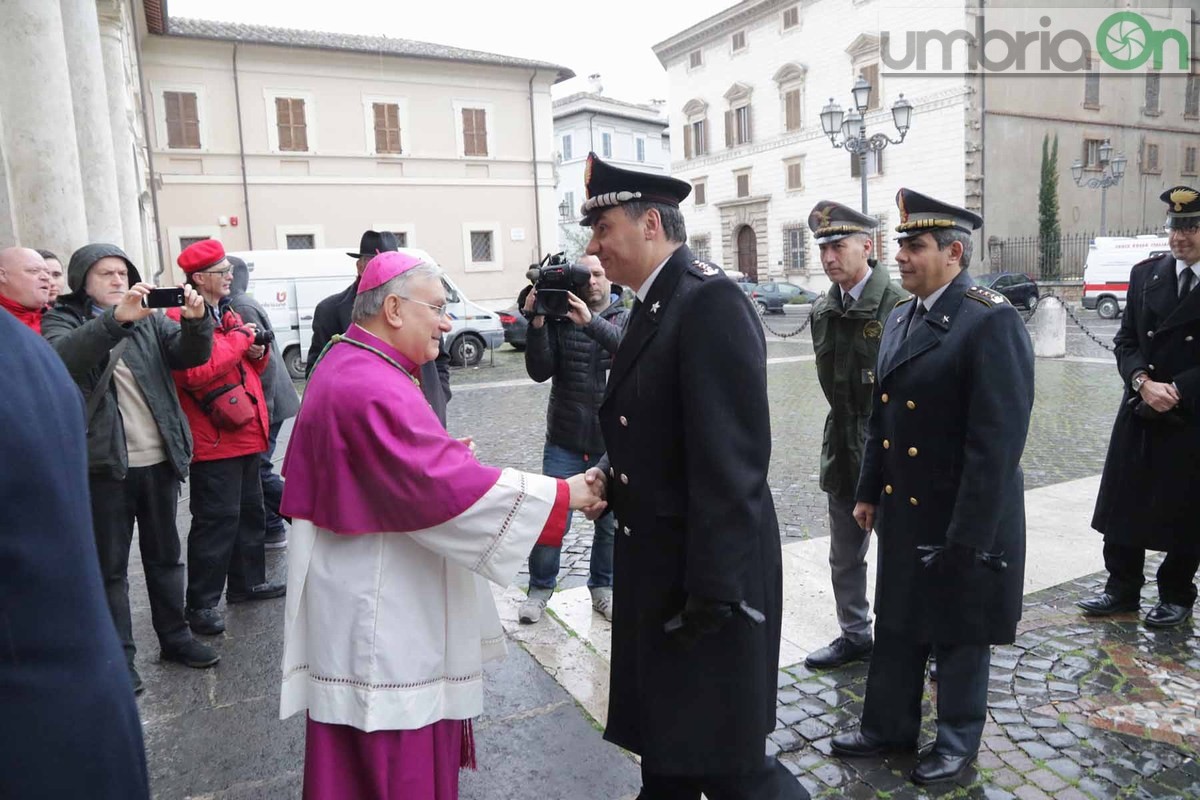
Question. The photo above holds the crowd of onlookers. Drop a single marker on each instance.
(193, 393)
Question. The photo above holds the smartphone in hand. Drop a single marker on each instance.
(166, 297)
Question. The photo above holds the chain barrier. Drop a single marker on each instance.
(797, 332)
(1078, 323)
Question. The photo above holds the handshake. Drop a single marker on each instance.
(588, 492)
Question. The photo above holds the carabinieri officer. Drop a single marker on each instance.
(941, 482)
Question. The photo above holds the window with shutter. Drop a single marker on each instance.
(739, 41)
(698, 193)
(1189, 160)
(700, 137)
(795, 174)
(1091, 153)
(183, 120)
(793, 248)
(1153, 86)
(742, 125)
(639, 146)
(871, 73)
(791, 110)
(791, 17)
(743, 185)
(695, 59)
(1191, 97)
(700, 247)
(729, 135)
(1150, 163)
(606, 145)
(387, 127)
(474, 122)
(1091, 85)
(567, 155)
(289, 119)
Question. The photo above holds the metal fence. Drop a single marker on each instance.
(1059, 258)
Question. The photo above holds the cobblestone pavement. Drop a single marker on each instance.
(1076, 400)
(1077, 709)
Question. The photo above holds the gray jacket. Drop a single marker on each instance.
(157, 346)
(282, 400)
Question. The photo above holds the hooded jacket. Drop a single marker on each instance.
(282, 400)
(157, 346)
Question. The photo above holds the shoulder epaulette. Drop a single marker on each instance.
(1152, 259)
(704, 268)
(986, 296)
(905, 300)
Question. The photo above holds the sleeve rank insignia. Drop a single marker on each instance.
(986, 296)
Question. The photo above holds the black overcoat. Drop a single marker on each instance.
(1150, 493)
(687, 426)
(69, 726)
(942, 461)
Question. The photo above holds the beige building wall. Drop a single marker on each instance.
(341, 187)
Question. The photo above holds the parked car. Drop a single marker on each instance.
(770, 298)
(516, 327)
(1020, 289)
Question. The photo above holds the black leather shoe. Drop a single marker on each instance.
(1105, 604)
(190, 653)
(840, 651)
(935, 767)
(1168, 615)
(264, 591)
(206, 621)
(856, 744)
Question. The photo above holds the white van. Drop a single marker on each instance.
(1106, 272)
(288, 284)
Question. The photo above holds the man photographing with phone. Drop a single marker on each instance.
(121, 354)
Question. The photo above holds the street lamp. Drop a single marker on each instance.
(564, 210)
(853, 128)
(1111, 172)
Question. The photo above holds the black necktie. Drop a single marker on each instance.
(915, 319)
(1186, 281)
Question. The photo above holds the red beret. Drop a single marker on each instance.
(201, 255)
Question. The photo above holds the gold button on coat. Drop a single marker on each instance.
(886, 444)
(884, 398)
(912, 451)
(912, 501)
(888, 489)
(911, 405)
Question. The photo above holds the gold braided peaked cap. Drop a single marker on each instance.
(920, 213)
(830, 221)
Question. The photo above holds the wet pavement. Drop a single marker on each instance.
(1077, 708)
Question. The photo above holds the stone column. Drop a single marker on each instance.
(93, 132)
(8, 234)
(39, 128)
(120, 121)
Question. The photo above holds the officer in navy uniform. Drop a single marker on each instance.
(1148, 496)
(697, 579)
(941, 482)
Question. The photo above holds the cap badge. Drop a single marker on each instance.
(873, 329)
(823, 215)
(1182, 197)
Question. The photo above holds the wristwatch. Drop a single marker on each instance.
(1138, 380)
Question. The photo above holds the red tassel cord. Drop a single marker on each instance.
(468, 746)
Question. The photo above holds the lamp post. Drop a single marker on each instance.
(853, 128)
(1111, 172)
(564, 211)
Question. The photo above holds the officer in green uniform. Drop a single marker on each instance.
(847, 325)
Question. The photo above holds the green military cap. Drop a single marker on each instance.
(1183, 206)
(921, 213)
(830, 221)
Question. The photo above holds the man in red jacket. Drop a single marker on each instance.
(224, 403)
(24, 285)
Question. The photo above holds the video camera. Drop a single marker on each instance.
(264, 337)
(552, 279)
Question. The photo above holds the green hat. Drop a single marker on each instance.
(830, 221)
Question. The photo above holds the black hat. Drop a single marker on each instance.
(920, 213)
(607, 186)
(830, 221)
(373, 243)
(1183, 206)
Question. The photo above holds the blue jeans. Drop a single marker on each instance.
(559, 462)
(272, 484)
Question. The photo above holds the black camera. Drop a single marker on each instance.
(264, 337)
(552, 279)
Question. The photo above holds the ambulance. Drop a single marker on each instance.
(288, 284)
(1106, 272)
